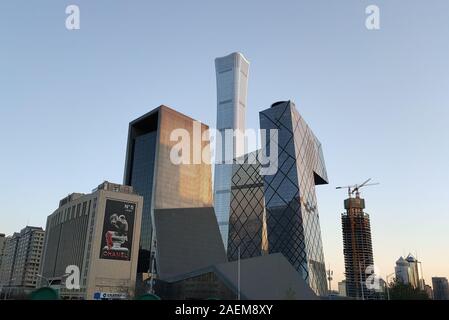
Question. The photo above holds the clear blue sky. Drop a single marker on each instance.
(377, 100)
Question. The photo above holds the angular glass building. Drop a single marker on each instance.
(293, 226)
(162, 183)
(232, 83)
(247, 221)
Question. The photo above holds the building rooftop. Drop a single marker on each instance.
(267, 277)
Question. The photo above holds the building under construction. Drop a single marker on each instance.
(357, 246)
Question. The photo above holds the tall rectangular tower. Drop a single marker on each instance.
(357, 248)
(440, 288)
(232, 83)
(247, 222)
(293, 226)
(162, 183)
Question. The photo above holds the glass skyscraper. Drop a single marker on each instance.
(232, 83)
(247, 222)
(163, 184)
(293, 226)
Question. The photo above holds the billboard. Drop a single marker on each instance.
(118, 227)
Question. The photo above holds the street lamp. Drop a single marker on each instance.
(388, 284)
(46, 279)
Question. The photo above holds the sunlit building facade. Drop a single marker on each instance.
(293, 226)
(98, 233)
(409, 271)
(232, 83)
(163, 183)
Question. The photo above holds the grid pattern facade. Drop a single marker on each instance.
(292, 217)
(247, 222)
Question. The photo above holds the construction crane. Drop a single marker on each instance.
(355, 188)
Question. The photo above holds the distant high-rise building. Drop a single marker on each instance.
(357, 248)
(9, 256)
(22, 259)
(293, 226)
(440, 288)
(232, 85)
(162, 183)
(402, 271)
(409, 271)
(99, 234)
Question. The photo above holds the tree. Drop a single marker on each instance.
(401, 291)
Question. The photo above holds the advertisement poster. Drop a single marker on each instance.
(117, 235)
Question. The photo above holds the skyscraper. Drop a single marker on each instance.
(357, 248)
(409, 271)
(440, 288)
(247, 222)
(232, 83)
(293, 226)
(162, 183)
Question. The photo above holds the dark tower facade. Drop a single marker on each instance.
(357, 248)
(247, 220)
(293, 224)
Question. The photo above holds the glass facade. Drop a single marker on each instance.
(163, 184)
(247, 222)
(142, 182)
(232, 83)
(293, 226)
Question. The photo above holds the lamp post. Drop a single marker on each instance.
(49, 283)
(46, 279)
(388, 284)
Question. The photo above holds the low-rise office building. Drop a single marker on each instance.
(98, 234)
